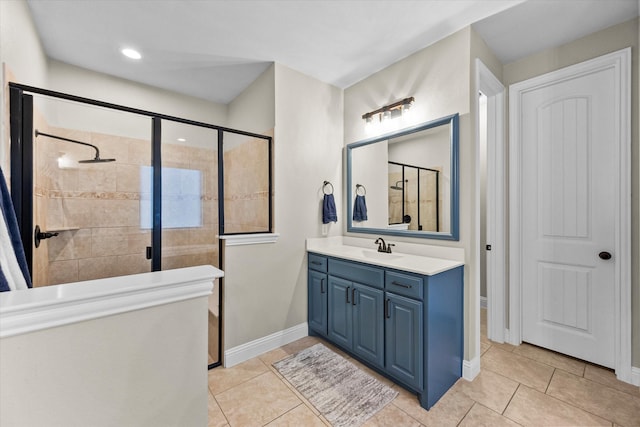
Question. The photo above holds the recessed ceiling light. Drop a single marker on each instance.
(131, 53)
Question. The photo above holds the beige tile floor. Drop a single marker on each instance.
(523, 385)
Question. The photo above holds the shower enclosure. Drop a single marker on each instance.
(104, 190)
(414, 197)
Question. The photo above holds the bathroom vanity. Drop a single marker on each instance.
(401, 314)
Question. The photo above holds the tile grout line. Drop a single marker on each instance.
(219, 407)
(550, 379)
(509, 402)
(576, 406)
(467, 413)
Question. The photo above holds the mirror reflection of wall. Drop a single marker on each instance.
(369, 167)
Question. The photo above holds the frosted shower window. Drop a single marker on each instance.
(181, 198)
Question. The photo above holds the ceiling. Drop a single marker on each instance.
(213, 49)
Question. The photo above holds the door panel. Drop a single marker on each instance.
(569, 154)
(340, 319)
(368, 339)
(404, 339)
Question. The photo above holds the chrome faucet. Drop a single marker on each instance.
(382, 246)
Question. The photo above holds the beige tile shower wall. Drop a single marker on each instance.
(40, 259)
(246, 184)
(95, 208)
(186, 247)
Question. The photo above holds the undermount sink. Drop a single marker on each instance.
(383, 256)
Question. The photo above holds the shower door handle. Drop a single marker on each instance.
(149, 252)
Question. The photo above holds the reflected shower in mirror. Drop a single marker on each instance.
(412, 180)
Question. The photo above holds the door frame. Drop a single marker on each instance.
(493, 89)
(620, 62)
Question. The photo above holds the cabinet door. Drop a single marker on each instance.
(340, 319)
(367, 305)
(318, 302)
(404, 344)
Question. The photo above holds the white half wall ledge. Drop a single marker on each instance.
(254, 348)
(51, 306)
(249, 239)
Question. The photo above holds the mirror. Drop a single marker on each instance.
(405, 183)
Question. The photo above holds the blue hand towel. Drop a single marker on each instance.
(14, 270)
(360, 209)
(329, 209)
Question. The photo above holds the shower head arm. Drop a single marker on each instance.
(38, 133)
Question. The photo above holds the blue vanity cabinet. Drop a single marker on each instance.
(405, 325)
(318, 294)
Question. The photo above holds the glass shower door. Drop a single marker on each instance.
(87, 192)
(190, 208)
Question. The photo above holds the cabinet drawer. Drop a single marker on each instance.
(404, 284)
(357, 272)
(318, 263)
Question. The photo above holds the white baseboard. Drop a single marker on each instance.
(471, 368)
(254, 348)
(483, 302)
(635, 376)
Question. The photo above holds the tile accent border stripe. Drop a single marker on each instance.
(254, 348)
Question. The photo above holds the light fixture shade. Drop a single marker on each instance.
(391, 111)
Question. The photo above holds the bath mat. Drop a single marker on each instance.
(345, 395)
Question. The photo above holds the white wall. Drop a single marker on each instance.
(70, 79)
(266, 285)
(139, 368)
(21, 54)
(439, 79)
(254, 109)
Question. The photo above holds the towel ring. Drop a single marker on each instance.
(324, 186)
(364, 190)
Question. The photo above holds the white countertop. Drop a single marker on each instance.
(426, 265)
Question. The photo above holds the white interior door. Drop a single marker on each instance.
(570, 151)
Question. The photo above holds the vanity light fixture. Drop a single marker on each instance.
(131, 53)
(182, 140)
(390, 111)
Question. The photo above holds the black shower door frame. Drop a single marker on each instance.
(21, 157)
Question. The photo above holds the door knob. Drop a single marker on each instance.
(604, 255)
